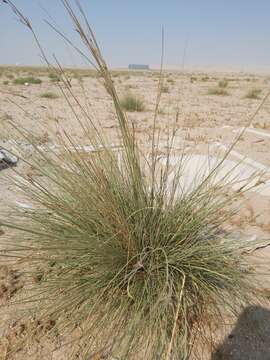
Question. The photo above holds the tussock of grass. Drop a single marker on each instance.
(49, 95)
(54, 77)
(253, 94)
(205, 78)
(135, 265)
(28, 79)
(223, 84)
(217, 91)
(6, 82)
(131, 102)
(171, 81)
(165, 89)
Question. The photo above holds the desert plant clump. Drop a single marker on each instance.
(217, 91)
(27, 80)
(223, 83)
(193, 79)
(49, 95)
(131, 102)
(134, 264)
(253, 94)
(54, 77)
(171, 81)
(165, 89)
(205, 78)
(5, 82)
(220, 89)
(10, 76)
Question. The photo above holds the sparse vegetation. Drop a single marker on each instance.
(54, 77)
(170, 81)
(205, 78)
(217, 91)
(253, 94)
(6, 82)
(28, 80)
(222, 84)
(131, 102)
(165, 89)
(49, 95)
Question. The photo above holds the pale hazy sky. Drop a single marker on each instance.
(220, 34)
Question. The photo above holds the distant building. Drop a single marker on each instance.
(138, 67)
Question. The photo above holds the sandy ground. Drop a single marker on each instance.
(203, 120)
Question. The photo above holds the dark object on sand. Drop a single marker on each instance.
(7, 159)
(249, 339)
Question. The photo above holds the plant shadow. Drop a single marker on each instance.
(249, 339)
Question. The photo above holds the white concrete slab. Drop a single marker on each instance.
(253, 131)
(255, 164)
(196, 168)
